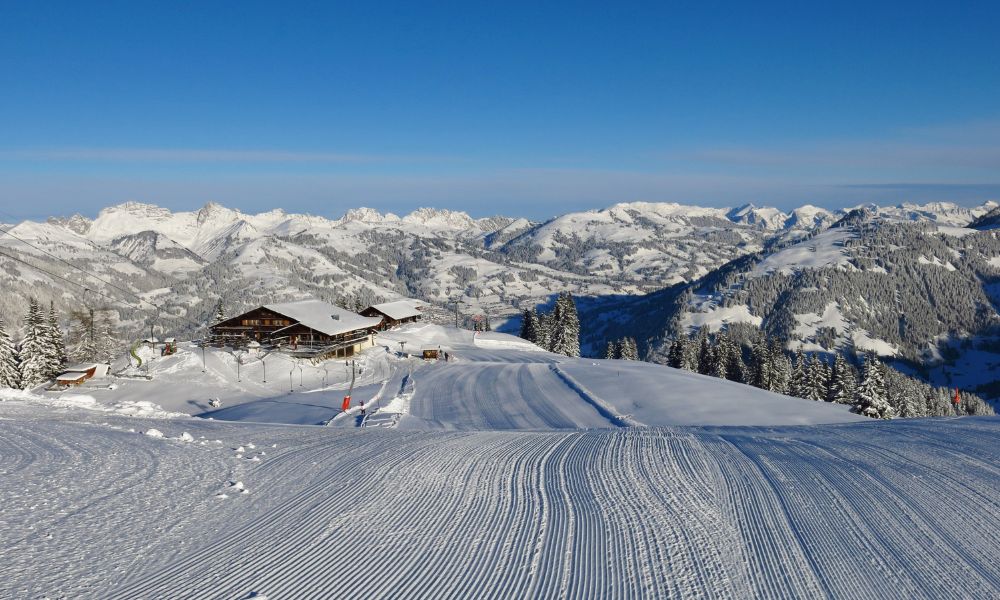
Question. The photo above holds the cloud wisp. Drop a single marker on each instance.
(192, 155)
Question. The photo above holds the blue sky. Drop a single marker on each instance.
(520, 108)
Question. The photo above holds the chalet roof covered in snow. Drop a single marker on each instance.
(399, 309)
(323, 317)
(73, 377)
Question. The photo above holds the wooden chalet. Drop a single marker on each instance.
(306, 328)
(394, 313)
(77, 374)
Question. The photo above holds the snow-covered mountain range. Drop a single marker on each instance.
(807, 274)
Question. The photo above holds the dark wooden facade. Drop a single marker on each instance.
(268, 327)
(259, 324)
(387, 321)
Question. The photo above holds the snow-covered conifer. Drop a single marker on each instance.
(10, 375)
(721, 357)
(873, 400)
(55, 345)
(544, 335)
(705, 352)
(816, 384)
(689, 354)
(798, 386)
(105, 336)
(35, 364)
(220, 312)
(82, 337)
(781, 368)
(628, 349)
(565, 336)
(760, 364)
(842, 382)
(529, 325)
(675, 356)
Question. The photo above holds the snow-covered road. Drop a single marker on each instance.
(898, 509)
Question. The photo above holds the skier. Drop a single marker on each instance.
(362, 409)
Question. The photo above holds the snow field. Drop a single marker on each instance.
(901, 509)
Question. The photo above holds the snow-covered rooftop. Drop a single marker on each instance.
(72, 376)
(323, 317)
(399, 309)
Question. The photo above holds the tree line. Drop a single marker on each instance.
(558, 330)
(44, 349)
(876, 390)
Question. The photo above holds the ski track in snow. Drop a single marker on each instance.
(901, 509)
(498, 396)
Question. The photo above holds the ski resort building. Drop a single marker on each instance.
(394, 313)
(306, 328)
(77, 374)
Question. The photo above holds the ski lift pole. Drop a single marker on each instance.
(347, 399)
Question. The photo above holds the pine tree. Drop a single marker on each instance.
(544, 335)
(872, 397)
(799, 385)
(721, 356)
(54, 344)
(105, 336)
(842, 382)
(689, 356)
(565, 337)
(781, 368)
(705, 352)
(611, 352)
(35, 364)
(760, 364)
(627, 349)
(82, 338)
(816, 384)
(10, 375)
(529, 325)
(675, 355)
(220, 312)
(572, 325)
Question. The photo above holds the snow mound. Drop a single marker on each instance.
(128, 408)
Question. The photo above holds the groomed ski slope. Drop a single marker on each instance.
(896, 510)
(503, 473)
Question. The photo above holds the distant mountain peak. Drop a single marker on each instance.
(438, 217)
(364, 214)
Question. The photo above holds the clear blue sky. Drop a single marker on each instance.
(534, 108)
